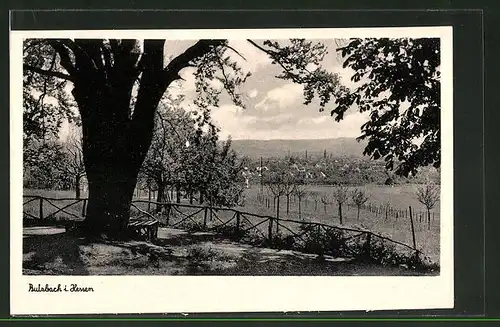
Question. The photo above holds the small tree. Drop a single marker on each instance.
(289, 184)
(326, 200)
(315, 196)
(75, 167)
(428, 195)
(359, 198)
(386, 207)
(277, 188)
(340, 195)
(300, 191)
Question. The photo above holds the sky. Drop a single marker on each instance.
(274, 108)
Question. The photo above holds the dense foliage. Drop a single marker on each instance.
(399, 85)
(189, 161)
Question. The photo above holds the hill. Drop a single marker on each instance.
(338, 147)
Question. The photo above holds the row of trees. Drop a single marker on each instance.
(189, 161)
(283, 185)
(286, 185)
(55, 164)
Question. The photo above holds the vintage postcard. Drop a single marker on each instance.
(182, 171)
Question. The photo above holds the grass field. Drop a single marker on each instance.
(399, 229)
(399, 197)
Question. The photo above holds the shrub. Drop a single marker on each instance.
(231, 232)
(281, 241)
(320, 241)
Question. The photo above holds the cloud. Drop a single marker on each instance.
(253, 93)
(326, 126)
(274, 108)
(228, 117)
(254, 58)
(280, 97)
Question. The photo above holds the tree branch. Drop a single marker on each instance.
(275, 56)
(183, 60)
(61, 47)
(234, 50)
(48, 72)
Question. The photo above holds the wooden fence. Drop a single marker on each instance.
(42, 210)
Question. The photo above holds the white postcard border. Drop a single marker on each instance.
(174, 294)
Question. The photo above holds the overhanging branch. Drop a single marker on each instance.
(48, 72)
(276, 57)
(195, 51)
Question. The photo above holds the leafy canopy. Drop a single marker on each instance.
(399, 86)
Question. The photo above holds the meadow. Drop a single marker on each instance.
(398, 228)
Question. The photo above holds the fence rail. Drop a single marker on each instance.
(40, 209)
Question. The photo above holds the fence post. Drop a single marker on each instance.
(412, 230)
(237, 221)
(205, 217)
(168, 213)
(270, 230)
(368, 245)
(84, 207)
(41, 208)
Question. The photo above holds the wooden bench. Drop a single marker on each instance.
(143, 228)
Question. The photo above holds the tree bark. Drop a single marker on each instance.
(113, 154)
(428, 219)
(110, 197)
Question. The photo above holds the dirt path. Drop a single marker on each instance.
(51, 251)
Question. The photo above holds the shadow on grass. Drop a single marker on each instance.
(185, 239)
(265, 262)
(54, 254)
(182, 253)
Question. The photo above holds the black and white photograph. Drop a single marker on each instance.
(229, 160)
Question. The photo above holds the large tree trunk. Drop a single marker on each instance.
(340, 212)
(113, 155)
(110, 197)
(116, 138)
